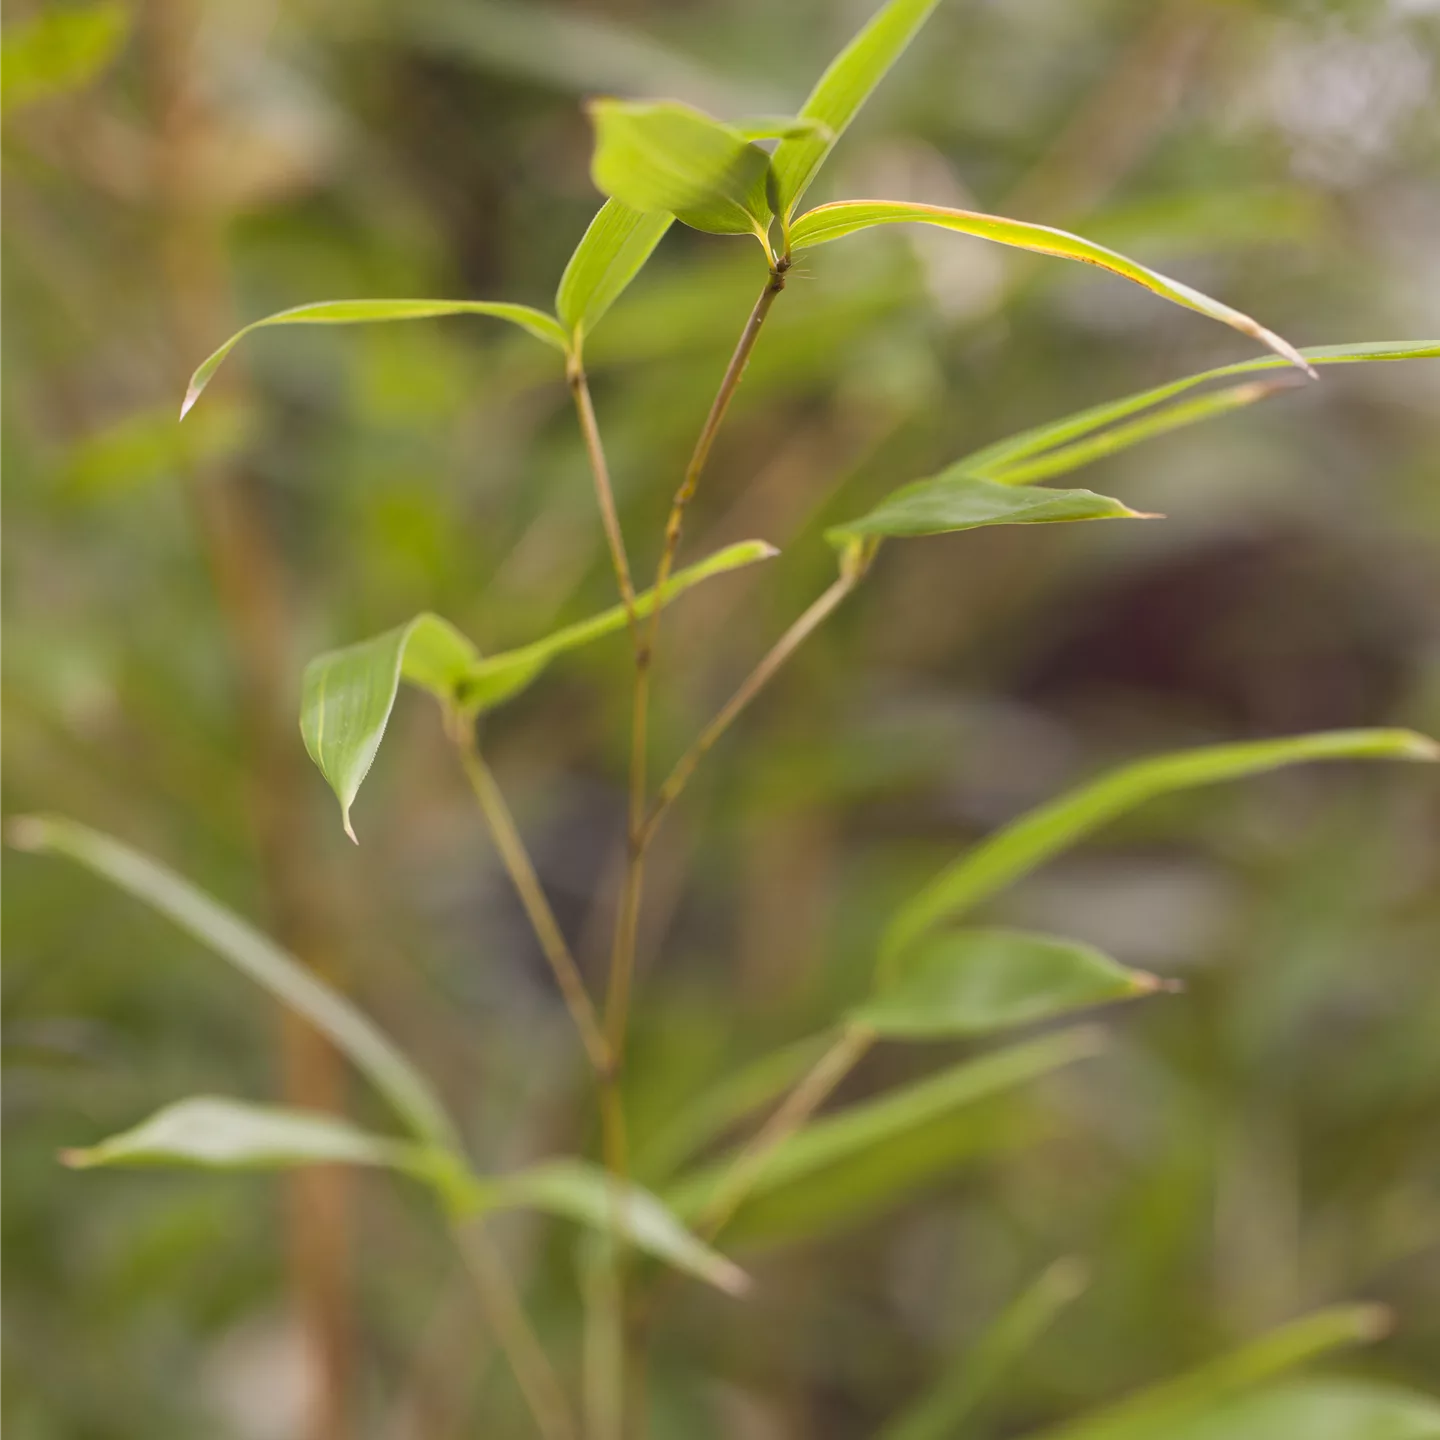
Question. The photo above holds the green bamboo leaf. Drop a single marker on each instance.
(347, 696)
(214, 1133)
(609, 256)
(1035, 837)
(954, 500)
(497, 678)
(842, 90)
(973, 982)
(664, 156)
(60, 49)
(845, 217)
(252, 953)
(1316, 1410)
(839, 1137)
(360, 312)
(1201, 1396)
(584, 1192)
(979, 1367)
(1000, 461)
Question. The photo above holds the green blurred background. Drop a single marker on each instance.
(1263, 1144)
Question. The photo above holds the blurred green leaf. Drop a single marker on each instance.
(1158, 1412)
(1035, 837)
(999, 461)
(980, 1366)
(664, 156)
(60, 49)
(348, 694)
(261, 959)
(850, 1132)
(584, 1192)
(215, 1133)
(497, 678)
(363, 312)
(954, 500)
(779, 127)
(972, 982)
(1316, 1410)
(842, 90)
(846, 217)
(609, 256)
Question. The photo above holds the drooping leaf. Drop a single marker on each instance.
(664, 156)
(1000, 461)
(497, 678)
(58, 50)
(214, 1133)
(1316, 1410)
(850, 1132)
(617, 243)
(361, 312)
(586, 1193)
(973, 982)
(953, 500)
(977, 1369)
(846, 217)
(348, 694)
(1025, 843)
(261, 959)
(842, 90)
(1202, 1395)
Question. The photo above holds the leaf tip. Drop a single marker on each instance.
(76, 1159)
(729, 1277)
(1421, 747)
(1281, 347)
(349, 827)
(1373, 1322)
(1142, 982)
(1144, 514)
(192, 394)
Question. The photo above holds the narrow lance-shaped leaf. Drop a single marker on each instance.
(974, 982)
(664, 156)
(617, 243)
(846, 217)
(252, 953)
(842, 90)
(1035, 837)
(954, 500)
(977, 1370)
(497, 678)
(348, 694)
(214, 1133)
(361, 312)
(1316, 1410)
(1161, 1409)
(850, 1132)
(586, 1193)
(1000, 460)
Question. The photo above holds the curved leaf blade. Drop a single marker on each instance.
(850, 1132)
(610, 254)
(664, 156)
(842, 90)
(846, 217)
(347, 696)
(583, 1192)
(211, 1132)
(974, 982)
(999, 461)
(954, 500)
(1035, 837)
(1160, 1410)
(256, 956)
(362, 312)
(497, 678)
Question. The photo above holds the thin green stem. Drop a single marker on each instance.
(809, 1093)
(532, 896)
(534, 1374)
(749, 688)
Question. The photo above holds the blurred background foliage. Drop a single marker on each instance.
(1235, 1156)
